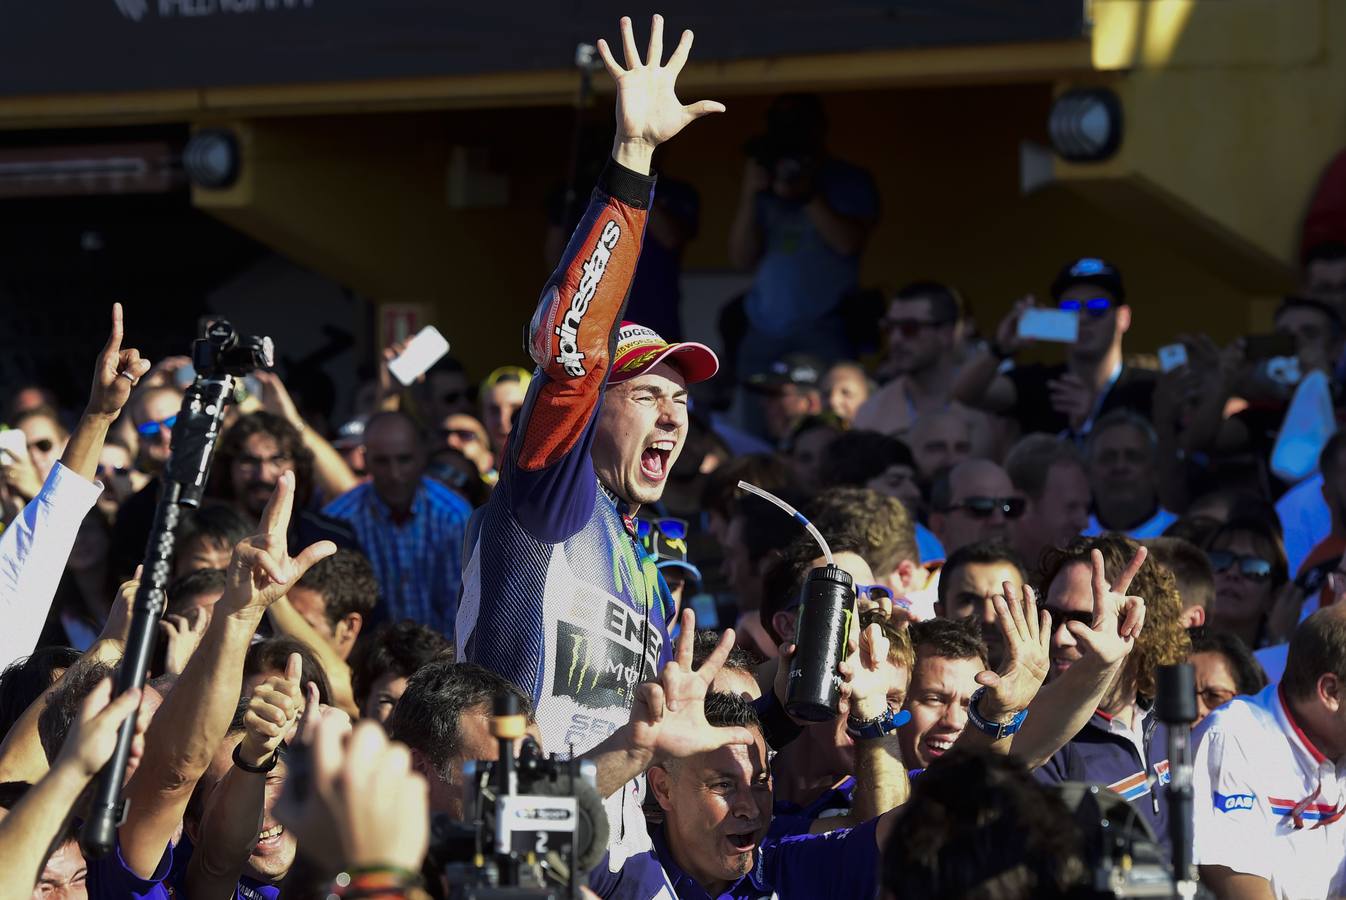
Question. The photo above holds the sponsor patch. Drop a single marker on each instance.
(593, 669)
(1234, 802)
(568, 353)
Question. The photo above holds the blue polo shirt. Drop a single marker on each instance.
(1109, 753)
(109, 878)
(791, 818)
(842, 863)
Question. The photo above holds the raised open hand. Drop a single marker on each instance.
(648, 110)
(1118, 618)
(115, 373)
(669, 715)
(261, 569)
(1027, 634)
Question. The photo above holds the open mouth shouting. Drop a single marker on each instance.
(654, 460)
(743, 842)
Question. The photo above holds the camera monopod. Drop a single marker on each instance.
(219, 358)
(1175, 706)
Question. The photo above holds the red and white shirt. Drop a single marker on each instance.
(1267, 801)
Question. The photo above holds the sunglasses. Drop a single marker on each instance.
(1253, 568)
(113, 471)
(463, 434)
(1095, 307)
(875, 593)
(451, 397)
(1214, 698)
(985, 507)
(1062, 616)
(671, 529)
(911, 327)
(41, 445)
(152, 429)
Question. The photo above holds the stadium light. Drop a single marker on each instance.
(211, 159)
(1085, 124)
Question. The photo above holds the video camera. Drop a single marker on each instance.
(535, 825)
(224, 352)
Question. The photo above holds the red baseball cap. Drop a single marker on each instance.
(640, 349)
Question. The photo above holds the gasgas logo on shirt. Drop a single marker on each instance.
(1232, 802)
(569, 356)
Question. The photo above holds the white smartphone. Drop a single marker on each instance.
(422, 352)
(14, 442)
(1059, 325)
(1173, 356)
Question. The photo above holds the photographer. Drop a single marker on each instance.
(803, 218)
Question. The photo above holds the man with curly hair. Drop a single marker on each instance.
(1122, 745)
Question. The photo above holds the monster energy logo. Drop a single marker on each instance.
(593, 669)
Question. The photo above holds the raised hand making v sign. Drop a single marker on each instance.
(191, 724)
(1094, 626)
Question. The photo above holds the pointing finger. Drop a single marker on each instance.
(114, 338)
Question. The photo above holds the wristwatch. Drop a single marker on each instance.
(879, 726)
(996, 730)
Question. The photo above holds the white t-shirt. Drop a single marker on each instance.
(1267, 802)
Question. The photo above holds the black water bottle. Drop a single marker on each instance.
(821, 633)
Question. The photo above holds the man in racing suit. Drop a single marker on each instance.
(558, 596)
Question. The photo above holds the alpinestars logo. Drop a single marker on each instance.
(133, 9)
(568, 351)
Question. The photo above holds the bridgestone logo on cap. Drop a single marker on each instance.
(569, 356)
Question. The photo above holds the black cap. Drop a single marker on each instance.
(800, 369)
(1090, 270)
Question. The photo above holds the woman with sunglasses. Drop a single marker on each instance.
(1250, 569)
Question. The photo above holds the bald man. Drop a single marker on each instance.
(973, 501)
(409, 525)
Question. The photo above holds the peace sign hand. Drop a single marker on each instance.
(648, 110)
(261, 569)
(1118, 617)
(1027, 633)
(669, 715)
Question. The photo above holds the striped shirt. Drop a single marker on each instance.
(418, 562)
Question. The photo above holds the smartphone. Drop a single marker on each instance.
(422, 352)
(1059, 325)
(1173, 356)
(1258, 347)
(14, 442)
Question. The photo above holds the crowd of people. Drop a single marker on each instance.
(1031, 531)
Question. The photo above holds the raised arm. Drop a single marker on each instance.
(333, 476)
(1063, 707)
(233, 814)
(194, 718)
(979, 384)
(573, 330)
(668, 719)
(35, 547)
(1027, 634)
(27, 833)
(880, 776)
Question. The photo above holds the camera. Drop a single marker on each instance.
(535, 824)
(223, 351)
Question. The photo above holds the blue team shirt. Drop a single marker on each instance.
(791, 818)
(841, 863)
